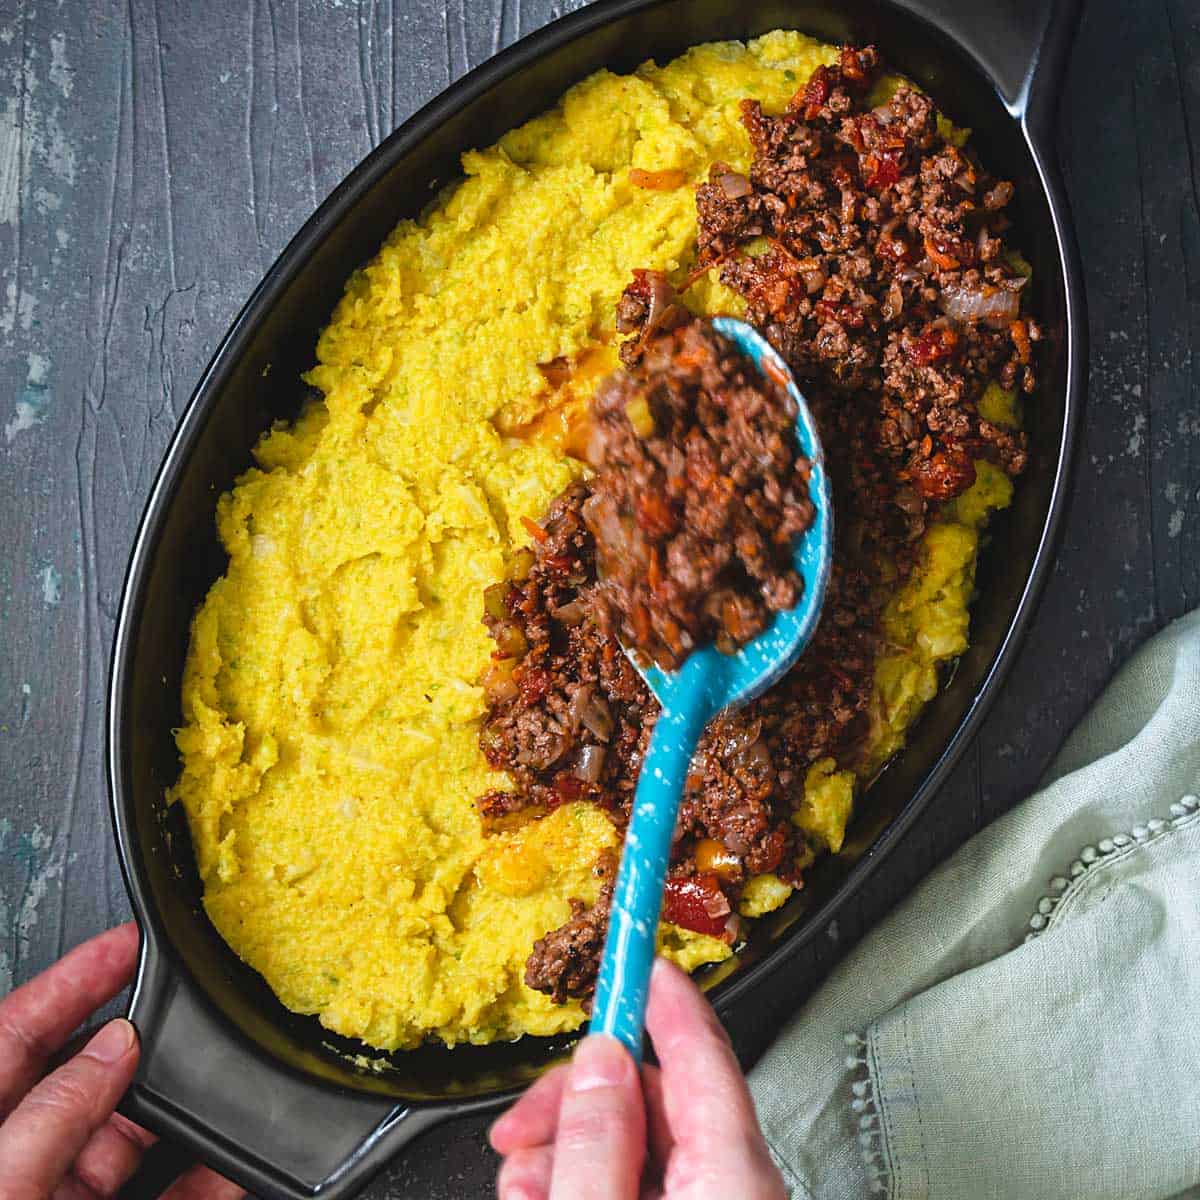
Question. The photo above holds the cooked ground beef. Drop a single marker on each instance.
(647, 305)
(878, 270)
(569, 715)
(564, 963)
(699, 494)
(570, 718)
(870, 251)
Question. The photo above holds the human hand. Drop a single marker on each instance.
(591, 1130)
(59, 1134)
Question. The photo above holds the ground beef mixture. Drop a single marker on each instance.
(699, 495)
(564, 962)
(870, 250)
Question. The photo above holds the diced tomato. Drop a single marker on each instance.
(932, 346)
(854, 69)
(534, 683)
(657, 181)
(654, 571)
(841, 177)
(559, 564)
(1020, 336)
(655, 515)
(882, 170)
(696, 902)
(844, 314)
(947, 474)
(641, 285)
(566, 789)
(771, 853)
(895, 248)
(947, 252)
(817, 92)
(640, 618)
(772, 370)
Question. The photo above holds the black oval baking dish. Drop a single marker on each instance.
(266, 1096)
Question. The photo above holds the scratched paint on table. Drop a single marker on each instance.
(38, 171)
(51, 585)
(33, 400)
(34, 863)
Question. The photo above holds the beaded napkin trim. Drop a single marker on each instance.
(863, 1102)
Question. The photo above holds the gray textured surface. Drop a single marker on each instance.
(154, 158)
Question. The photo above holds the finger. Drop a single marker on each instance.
(201, 1183)
(48, 1129)
(38, 1017)
(525, 1174)
(658, 1128)
(112, 1154)
(601, 1139)
(703, 1085)
(534, 1118)
(719, 1148)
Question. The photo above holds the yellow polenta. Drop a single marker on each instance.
(331, 699)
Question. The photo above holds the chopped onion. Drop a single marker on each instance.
(660, 298)
(814, 281)
(715, 904)
(604, 521)
(737, 844)
(571, 613)
(981, 303)
(498, 681)
(883, 114)
(590, 766)
(894, 304)
(592, 712)
(734, 186)
(755, 756)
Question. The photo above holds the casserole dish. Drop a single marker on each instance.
(269, 1097)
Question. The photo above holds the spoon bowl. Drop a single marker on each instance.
(705, 684)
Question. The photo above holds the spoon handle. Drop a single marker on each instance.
(619, 1008)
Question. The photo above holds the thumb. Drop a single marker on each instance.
(601, 1140)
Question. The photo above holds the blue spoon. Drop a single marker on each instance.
(707, 683)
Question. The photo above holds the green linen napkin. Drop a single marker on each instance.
(1025, 1025)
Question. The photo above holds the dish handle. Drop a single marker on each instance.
(1022, 44)
(216, 1097)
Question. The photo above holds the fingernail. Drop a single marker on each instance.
(600, 1062)
(112, 1043)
